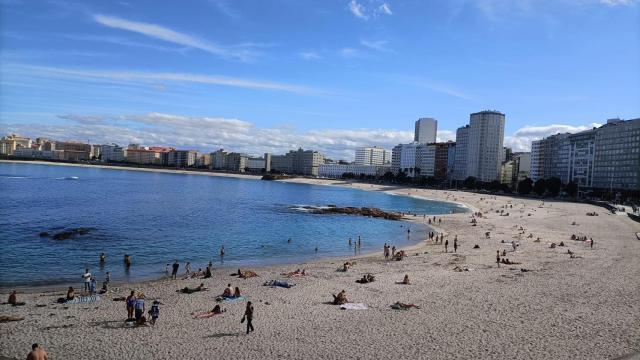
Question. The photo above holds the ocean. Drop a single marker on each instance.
(159, 217)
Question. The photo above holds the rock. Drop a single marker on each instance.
(364, 211)
(71, 233)
(44, 234)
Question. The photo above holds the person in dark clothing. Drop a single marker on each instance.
(455, 245)
(498, 257)
(248, 316)
(446, 245)
(174, 272)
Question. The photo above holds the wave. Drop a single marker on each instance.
(68, 178)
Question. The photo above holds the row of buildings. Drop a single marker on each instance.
(607, 157)
(604, 157)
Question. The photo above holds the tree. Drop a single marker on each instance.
(540, 187)
(388, 176)
(554, 185)
(572, 189)
(469, 183)
(493, 186)
(525, 186)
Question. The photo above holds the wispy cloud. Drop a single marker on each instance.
(121, 41)
(379, 45)
(309, 55)
(350, 53)
(137, 77)
(226, 9)
(384, 9)
(617, 2)
(357, 10)
(163, 33)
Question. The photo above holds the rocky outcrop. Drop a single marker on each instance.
(68, 233)
(363, 211)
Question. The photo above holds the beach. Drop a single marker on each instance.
(559, 307)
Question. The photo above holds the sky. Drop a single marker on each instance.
(271, 76)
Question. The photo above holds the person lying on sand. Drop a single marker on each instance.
(278, 283)
(399, 255)
(217, 310)
(246, 274)
(295, 273)
(368, 278)
(340, 299)
(187, 290)
(402, 306)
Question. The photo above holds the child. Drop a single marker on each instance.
(92, 286)
(154, 312)
(108, 278)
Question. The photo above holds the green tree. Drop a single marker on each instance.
(554, 185)
(540, 187)
(525, 186)
(572, 189)
(470, 182)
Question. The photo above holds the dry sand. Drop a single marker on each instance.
(586, 308)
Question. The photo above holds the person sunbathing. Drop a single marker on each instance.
(187, 290)
(341, 298)
(228, 292)
(217, 310)
(402, 306)
(247, 274)
(406, 281)
(366, 279)
(13, 299)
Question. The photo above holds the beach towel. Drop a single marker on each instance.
(231, 299)
(83, 299)
(353, 306)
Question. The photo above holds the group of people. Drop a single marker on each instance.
(90, 282)
(436, 237)
(358, 243)
(136, 307)
(230, 292)
(389, 251)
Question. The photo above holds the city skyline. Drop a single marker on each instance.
(352, 74)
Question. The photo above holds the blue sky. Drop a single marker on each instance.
(258, 76)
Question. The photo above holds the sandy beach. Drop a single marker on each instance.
(586, 307)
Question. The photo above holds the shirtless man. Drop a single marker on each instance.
(37, 353)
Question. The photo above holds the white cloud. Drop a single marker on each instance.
(617, 2)
(349, 53)
(522, 138)
(166, 34)
(309, 55)
(379, 45)
(136, 77)
(385, 9)
(357, 9)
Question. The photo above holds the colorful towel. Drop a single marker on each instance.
(231, 299)
(83, 299)
(353, 306)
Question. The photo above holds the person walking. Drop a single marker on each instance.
(455, 245)
(188, 268)
(248, 316)
(498, 257)
(87, 280)
(446, 245)
(591, 243)
(175, 267)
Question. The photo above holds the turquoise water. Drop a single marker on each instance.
(159, 217)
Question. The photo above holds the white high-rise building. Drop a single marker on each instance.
(404, 158)
(425, 132)
(372, 156)
(484, 151)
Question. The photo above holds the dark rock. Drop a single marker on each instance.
(71, 233)
(364, 211)
(44, 234)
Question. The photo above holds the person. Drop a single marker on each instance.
(455, 245)
(359, 241)
(37, 353)
(591, 243)
(248, 315)
(207, 272)
(222, 251)
(107, 278)
(341, 298)
(127, 260)
(13, 299)
(349, 242)
(236, 292)
(105, 288)
(386, 251)
(406, 281)
(289, 241)
(154, 312)
(166, 269)
(228, 292)
(131, 303)
(139, 307)
(393, 251)
(446, 245)
(92, 286)
(498, 257)
(188, 268)
(71, 294)
(87, 279)
(175, 268)
(217, 310)
(316, 250)
(103, 258)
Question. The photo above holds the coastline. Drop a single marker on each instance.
(549, 311)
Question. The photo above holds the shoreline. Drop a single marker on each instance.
(561, 307)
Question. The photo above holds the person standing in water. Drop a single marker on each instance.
(248, 316)
(103, 258)
(222, 251)
(175, 267)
